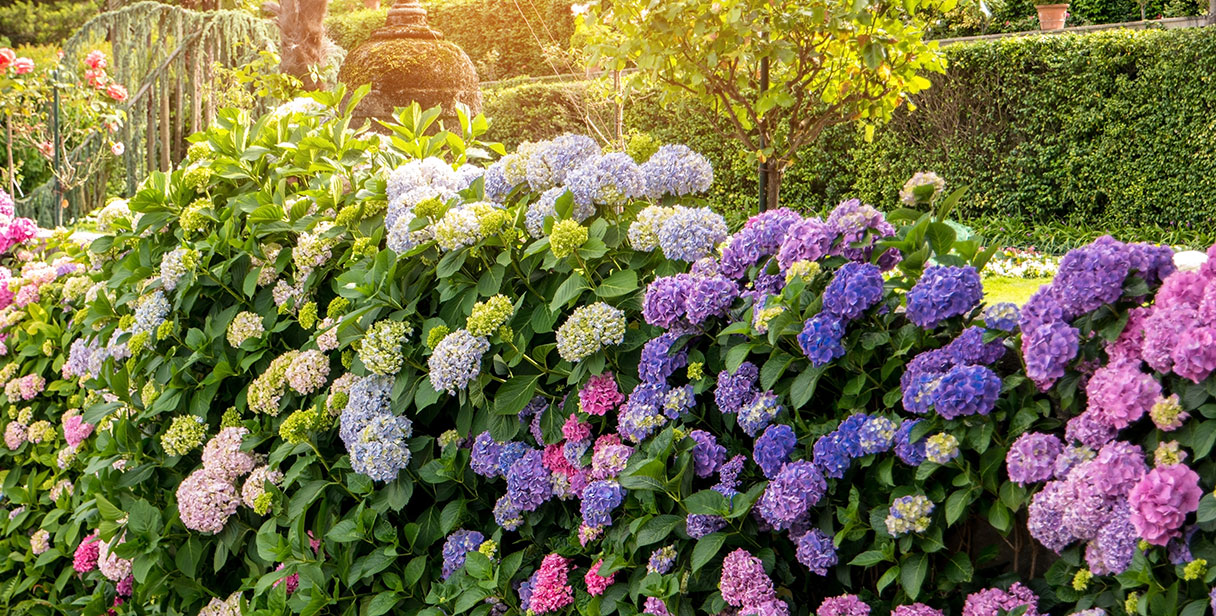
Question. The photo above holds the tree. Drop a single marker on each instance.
(302, 32)
(781, 71)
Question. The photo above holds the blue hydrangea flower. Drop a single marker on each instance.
(381, 450)
(850, 434)
(599, 499)
(367, 398)
(662, 560)
(1002, 317)
(698, 525)
(944, 292)
(758, 413)
(551, 161)
(496, 187)
(707, 454)
(877, 435)
(909, 452)
(676, 170)
(642, 413)
(816, 551)
(734, 390)
(831, 455)
(966, 390)
(612, 180)
(528, 482)
(691, 233)
(822, 339)
(658, 362)
(728, 477)
(969, 348)
(710, 296)
(854, 289)
(773, 448)
(457, 546)
(677, 401)
(508, 453)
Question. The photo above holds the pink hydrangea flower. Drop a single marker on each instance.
(223, 456)
(1161, 501)
(576, 431)
(205, 501)
(600, 394)
(744, 582)
(844, 605)
(551, 592)
(597, 584)
(994, 601)
(85, 558)
(292, 581)
(1120, 393)
(75, 430)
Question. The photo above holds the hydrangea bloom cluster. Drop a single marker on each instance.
(266, 391)
(676, 170)
(954, 380)
(816, 551)
(796, 488)
(417, 181)
(380, 348)
(244, 326)
(253, 492)
(308, 372)
(609, 180)
(745, 585)
(687, 299)
(456, 360)
(185, 433)
(205, 501)
(772, 449)
(550, 588)
(1161, 500)
(375, 438)
(549, 162)
(84, 559)
(922, 187)
(588, 330)
(944, 292)
(596, 583)
(909, 514)
(457, 548)
(843, 605)
(994, 601)
(600, 395)
(688, 234)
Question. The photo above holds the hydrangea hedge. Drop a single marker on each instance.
(326, 371)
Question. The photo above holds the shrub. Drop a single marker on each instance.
(348, 30)
(34, 22)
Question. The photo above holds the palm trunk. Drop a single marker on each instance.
(302, 30)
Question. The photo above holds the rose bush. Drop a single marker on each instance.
(317, 369)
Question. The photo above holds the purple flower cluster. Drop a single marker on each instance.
(816, 550)
(909, 452)
(736, 389)
(457, 547)
(953, 380)
(944, 292)
(853, 290)
(528, 483)
(822, 339)
(676, 170)
(773, 449)
(658, 362)
(761, 236)
(687, 298)
(994, 601)
(599, 499)
(860, 226)
(707, 454)
(796, 488)
(1032, 457)
(745, 585)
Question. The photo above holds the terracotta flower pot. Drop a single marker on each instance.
(1052, 16)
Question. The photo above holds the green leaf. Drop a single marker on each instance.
(344, 532)
(451, 263)
(868, 558)
(620, 283)
(1205, 437)
(478, 566)
(657, 529)
(956, 505)
(959, 569)
(912, 574)
(707, 502)
(804, 387)
(706, 549)
(999, 517)
(188, 556)
(382, 603)
(568, 292)
(1207, 508)
(515, 394)
(941, 237)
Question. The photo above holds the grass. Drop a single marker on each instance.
(1017, 290)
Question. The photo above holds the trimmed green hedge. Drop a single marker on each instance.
(1110, 129)
(504, 38)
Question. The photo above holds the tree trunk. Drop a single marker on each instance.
(301, 32)
(1212, 12)
(772, 184)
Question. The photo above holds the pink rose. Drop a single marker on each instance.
(118, 148)
(22, 66)
(116, 92)
(7, 57)
(96, 59)
(1161, 501)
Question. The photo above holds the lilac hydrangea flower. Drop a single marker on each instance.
(1045, 519)
(457, 546)
(710, 296)
(816, 551)
(698, 525)
(909, 452)
(807, 240)
(666, 298)
(831, 455)
(528, 482)
(1032, 457)
(677, 170)
(642, 413)
(599, 499)
(707, 454)
(691, 233)
(612, 180)
(658, 362)
(735, 390)
(760, 237)
(552, 160)
(758, 413)
(966, 390)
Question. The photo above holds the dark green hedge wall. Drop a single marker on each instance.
(1113, 129)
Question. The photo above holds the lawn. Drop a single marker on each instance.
(1017, 290)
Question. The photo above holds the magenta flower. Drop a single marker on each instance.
(550, 590)
(597, 584)
(1120, 393)
(600, 395)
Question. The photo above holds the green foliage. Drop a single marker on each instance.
(348, 30)
(38, 22)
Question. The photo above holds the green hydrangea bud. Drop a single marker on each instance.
(308, 315)
(488, 548)
(25, 415)
(185, 433)
(431, 208)
(127, 321)
(336, 402)
(696, 371)
(447, 438)
(436, 335)
(506, 333)
(197, 178)
(194, 219)
(1195, 570)
(149, 393)
(296, 427)
(380, 349)
(365, 247)
(231, 418)
(374, 207)
(1080, 581)
(1132, 603)
(164, 330)
(337, 307)
(47, 348)
(348, 357)
(489, 315)
(137, 342)
(567, 237)
(492, 221)
(804, 270)
(198, 151)
(262, 503)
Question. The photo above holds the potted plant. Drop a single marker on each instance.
(1052, 16)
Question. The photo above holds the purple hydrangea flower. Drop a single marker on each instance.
(1045, 519)
(642, 413)
(760, 237)
(966, 390)
(758, 413)
(831, 455)
(773, 449)
(707, 454)
(735, 390)
(797, 487)
(807, 240)
(658, 362)
(944, 292)
(710, 296)
(698, 525)
(458, 545)
(854, 289)
(1032, 457)
(1002, 317)
(484, 457)
(666, 300)
(816, 551)
(599, 499)
(876, 435)
(676, 170)
(528, 483)
(910, 453)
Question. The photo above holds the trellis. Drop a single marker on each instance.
(165, 55)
